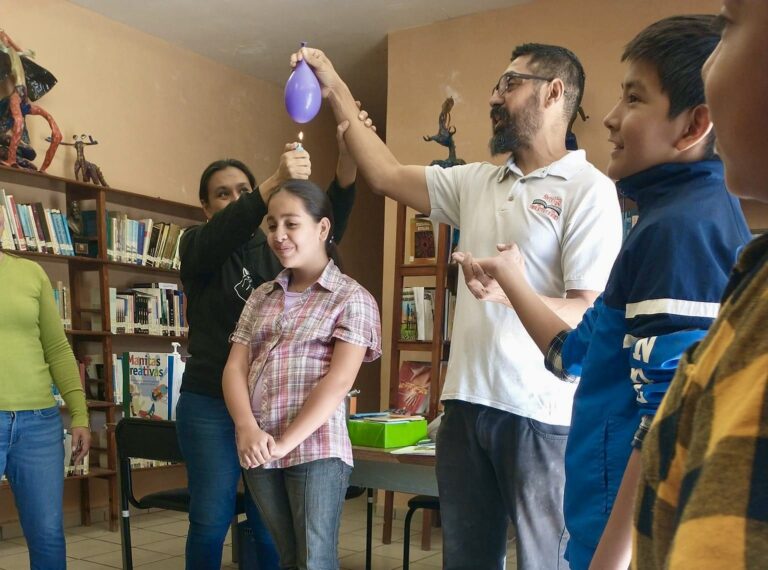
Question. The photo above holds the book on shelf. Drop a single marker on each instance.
(151, 308)
(424, 302)
(33, 227)
(117, 378)
(423, 242)
(413, 386)
(63, 303)
(145, 385)
(417, 316)
(408, 330)
(151, 383)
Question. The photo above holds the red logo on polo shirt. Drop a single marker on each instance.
(550, 206)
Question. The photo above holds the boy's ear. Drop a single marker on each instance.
(698, 127)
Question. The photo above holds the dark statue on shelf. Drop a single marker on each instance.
(570, 137)
(86, 171)
(22, 81)
(444, 136)
(86, 246)
(75, 219)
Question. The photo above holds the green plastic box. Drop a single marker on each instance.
(380, 434)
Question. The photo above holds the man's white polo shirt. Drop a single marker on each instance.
(566, 219)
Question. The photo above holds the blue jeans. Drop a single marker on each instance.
(207, 440)
(32, 457)
(493, 467)
(302, 507)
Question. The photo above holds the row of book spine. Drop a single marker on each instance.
(148, 308)
(143, 242)
(33, 227)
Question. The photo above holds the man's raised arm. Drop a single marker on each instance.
(385, 175)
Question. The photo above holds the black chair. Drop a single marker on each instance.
(415, 503)
(152, 439)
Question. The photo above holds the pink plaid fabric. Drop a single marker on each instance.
(291, 351)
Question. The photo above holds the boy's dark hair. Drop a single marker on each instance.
(556, 61)
(318, 206)
(218, 165)
(678, 47)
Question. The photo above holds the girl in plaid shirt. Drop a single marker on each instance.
(295, 354)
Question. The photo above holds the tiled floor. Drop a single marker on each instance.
(159, 537)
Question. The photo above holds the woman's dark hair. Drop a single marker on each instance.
(318, 206)
(214, 167)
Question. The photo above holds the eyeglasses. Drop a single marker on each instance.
(512, 80)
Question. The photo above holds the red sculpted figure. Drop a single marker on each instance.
(22, 81)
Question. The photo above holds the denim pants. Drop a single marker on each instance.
(302, 507)
(32, 457)
(207, 439)
(493, 467)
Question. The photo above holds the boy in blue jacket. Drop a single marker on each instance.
(663, 291)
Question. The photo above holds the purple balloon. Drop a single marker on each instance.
(302, 94)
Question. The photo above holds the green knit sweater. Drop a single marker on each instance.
(34, 352)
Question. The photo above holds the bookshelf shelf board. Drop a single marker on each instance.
(87, 334)
(157, 468)
(93, 472)
(37, 179)
(415, 345)
(53, 257)
(96, 405)
(151, 336)
(145, 268)
(411, 270)
(100, 405)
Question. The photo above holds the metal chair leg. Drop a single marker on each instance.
(407, 538)
(125, 530)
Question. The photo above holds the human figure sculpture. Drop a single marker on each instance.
(86, 171)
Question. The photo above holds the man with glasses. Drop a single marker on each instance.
(502, 440)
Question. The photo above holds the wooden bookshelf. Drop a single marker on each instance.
(435, 348)
(86, 275)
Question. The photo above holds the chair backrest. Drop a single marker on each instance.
(147, 439)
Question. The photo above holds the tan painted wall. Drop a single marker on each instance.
(161, 114)
(464, 58)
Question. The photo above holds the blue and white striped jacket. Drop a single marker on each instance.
(663, 293)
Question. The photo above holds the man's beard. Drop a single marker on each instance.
(516, 133)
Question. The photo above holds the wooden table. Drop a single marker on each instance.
(379, 469)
